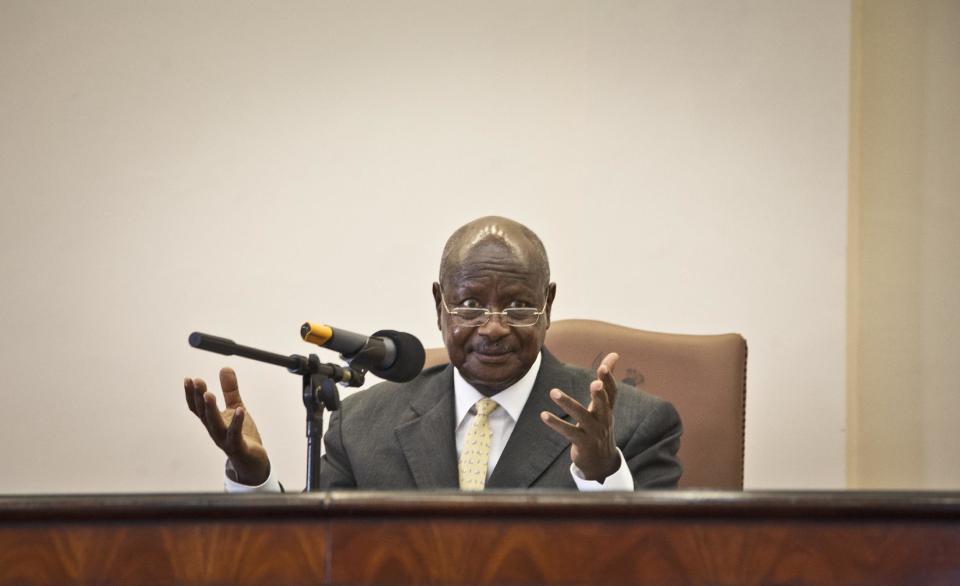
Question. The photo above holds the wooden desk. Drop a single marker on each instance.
(498, 538)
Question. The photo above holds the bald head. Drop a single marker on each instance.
(512, 237)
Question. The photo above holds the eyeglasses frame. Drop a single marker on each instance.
(489, 314)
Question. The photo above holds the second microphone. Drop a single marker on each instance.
(391, 355)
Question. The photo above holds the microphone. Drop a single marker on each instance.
(394, 356)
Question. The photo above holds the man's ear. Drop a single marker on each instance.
(437, 301)
(551, 294)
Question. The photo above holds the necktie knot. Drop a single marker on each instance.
(485, 407)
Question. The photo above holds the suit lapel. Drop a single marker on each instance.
(533, 446)
(427, 435)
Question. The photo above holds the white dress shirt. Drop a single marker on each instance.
(502, 421)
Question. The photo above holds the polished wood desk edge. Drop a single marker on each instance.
(812, 505)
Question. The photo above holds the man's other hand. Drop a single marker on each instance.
(232, 429)
(594, 449)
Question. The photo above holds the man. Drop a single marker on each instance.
(504, 414)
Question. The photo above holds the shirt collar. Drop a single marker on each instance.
(511, 399)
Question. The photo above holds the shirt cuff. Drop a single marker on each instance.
(619, 480)
(271, 484)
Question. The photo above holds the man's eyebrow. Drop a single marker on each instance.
(517, 288)
(468, 283)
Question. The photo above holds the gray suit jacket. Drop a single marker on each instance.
(402, 436)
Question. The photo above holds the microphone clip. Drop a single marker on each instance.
(320, 385)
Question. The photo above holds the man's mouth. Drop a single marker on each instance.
(492, 355)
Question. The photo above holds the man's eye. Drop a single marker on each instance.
(519, 304)
(469, 304)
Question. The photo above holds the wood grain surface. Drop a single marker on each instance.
(177, 553)
(660, 552)
(516, 538)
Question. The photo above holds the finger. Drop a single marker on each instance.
(233, 442)
(605, 374)
(212, 418)
(594, 385)
(573, 433)
(188, 394)
(199, 390)
(609, 361)
(600, 402)
(231, 392)
(571, 407)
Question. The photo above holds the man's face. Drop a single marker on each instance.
(495, 355)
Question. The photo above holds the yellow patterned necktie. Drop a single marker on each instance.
(475, 455)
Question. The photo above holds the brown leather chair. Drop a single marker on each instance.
(703, 376)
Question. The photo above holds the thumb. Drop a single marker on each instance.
(231, 392)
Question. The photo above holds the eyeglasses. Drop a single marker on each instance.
(518, 317)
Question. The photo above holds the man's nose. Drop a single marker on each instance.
(495, 327)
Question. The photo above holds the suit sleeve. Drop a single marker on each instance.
(651, 451)
(335, 469)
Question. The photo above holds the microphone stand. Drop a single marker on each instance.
(319, 387)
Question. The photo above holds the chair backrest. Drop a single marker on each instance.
(703, 376)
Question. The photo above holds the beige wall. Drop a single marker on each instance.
(240, 167)
(905, 260)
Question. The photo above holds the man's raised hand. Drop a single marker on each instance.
(594, 448)
(232, 429)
